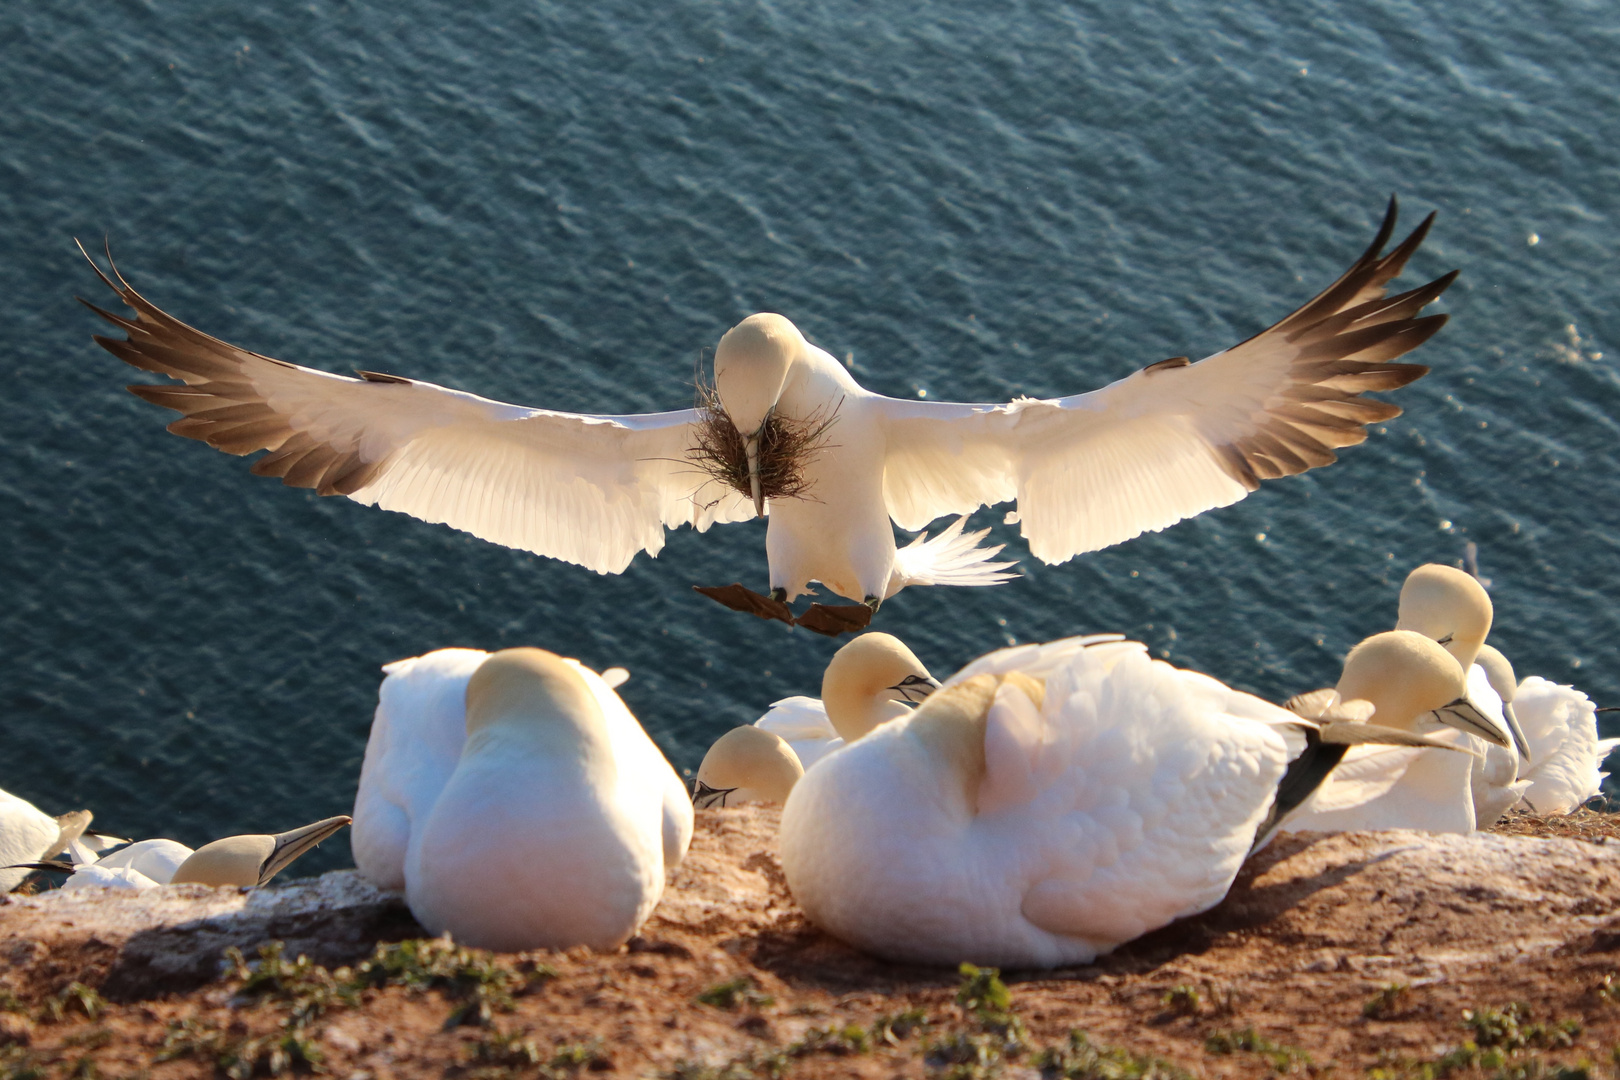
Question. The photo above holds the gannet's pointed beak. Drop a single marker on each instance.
(1464, 715)
(290, 845)
(751, 447)
(1520, 743)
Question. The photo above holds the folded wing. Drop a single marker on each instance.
(1176, 438)
(591, 490)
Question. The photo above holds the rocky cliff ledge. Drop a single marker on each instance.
(1409, 954)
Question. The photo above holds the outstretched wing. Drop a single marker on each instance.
(591, 490)
(1176, 438)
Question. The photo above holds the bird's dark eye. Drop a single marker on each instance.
(1445, 640)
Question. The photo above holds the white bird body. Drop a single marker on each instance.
(1047, 805)
(559, 820)
(1392, 787)
(26, 834)
(1087, 471)
(1566, 755)
(145, 864)
(416, 737)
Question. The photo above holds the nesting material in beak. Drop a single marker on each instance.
(770, 463)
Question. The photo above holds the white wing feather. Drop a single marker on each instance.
(1174, 439)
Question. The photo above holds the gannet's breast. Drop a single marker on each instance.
(26, 833)
(1121, 804)
(1493, 777)
(1566, 755)
(802, 723)
(416, 737)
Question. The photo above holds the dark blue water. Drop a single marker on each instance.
(565, 205)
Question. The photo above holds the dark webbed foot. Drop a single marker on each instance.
(738, 598)
(835, 619)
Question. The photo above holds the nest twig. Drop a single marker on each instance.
(786, 446)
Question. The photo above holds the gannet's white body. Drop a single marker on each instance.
(871, 680)
(559, 820)
(416, 738)
(1048, 804)
(1089, 470)
(1566, 755)
(27, 834)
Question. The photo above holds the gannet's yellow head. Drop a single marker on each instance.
(1448, 606)
(1405, 675)
(751, 366)
(951, 726)
(746, 764)
(865, 676)
(246, 861)
(542, 699)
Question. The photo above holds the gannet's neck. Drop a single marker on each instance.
(871, 680)
(537, 700)
(950, 727)
(1448, 606)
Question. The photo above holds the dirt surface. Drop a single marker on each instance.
(1360, 954)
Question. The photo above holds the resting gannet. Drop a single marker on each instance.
(787, 430)
(871, 679)
(237, 861)
(746, 764)
(1452, 607)
(556, 826)
(1413, 685)
(416, 737)
(1046, 805)
(29, 835)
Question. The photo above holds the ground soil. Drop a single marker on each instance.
(1355, 954)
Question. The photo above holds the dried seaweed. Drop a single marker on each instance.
(786, 446)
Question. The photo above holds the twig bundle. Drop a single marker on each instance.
(786, 446)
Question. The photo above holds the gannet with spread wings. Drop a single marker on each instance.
(785, 429)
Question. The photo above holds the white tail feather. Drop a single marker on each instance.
(950, 557)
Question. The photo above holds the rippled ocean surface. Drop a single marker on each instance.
(565, 205)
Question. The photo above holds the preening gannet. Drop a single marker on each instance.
(416, 738)
(1048, 804)
(235, 861)
(746, 764)
(555, 828)
(788, 430)
(29, 835)
(1414, 685)
(871, 679)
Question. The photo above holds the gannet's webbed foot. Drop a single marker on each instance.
(835, 619)
(738, 598)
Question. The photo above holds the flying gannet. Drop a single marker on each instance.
(416, 737)
(236, 861)
(785, 429)
(871, 679)
(1046, 805)
(555, 828)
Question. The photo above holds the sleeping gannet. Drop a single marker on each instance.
(416, 737)
(1046, 805)
(29, 835)
(1414, 685)
(236, 861)
(746, 764)
(787, 430)
(556, 826)
(873, 678)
